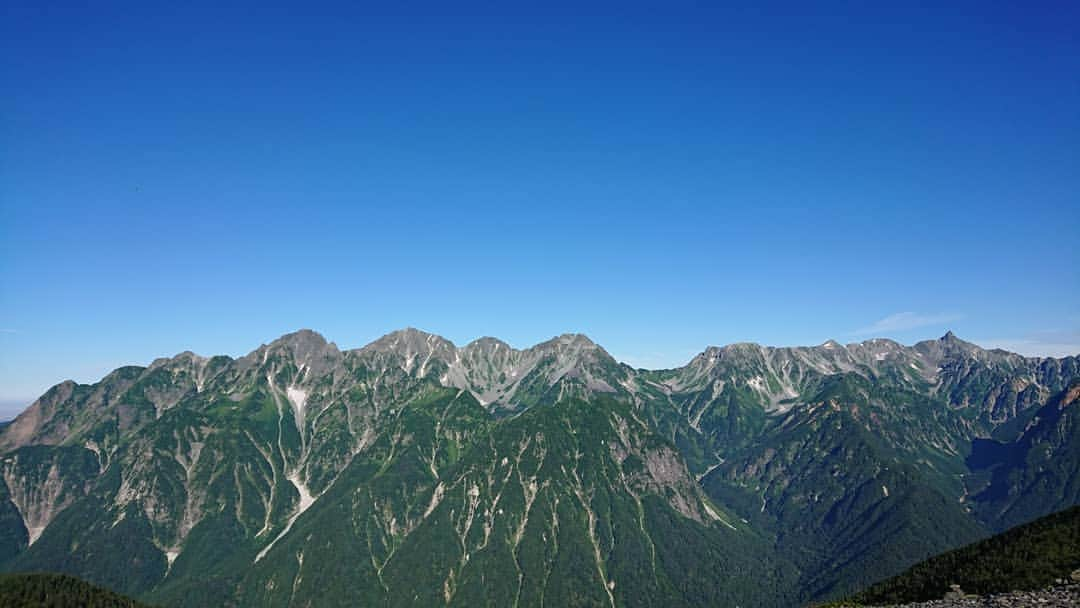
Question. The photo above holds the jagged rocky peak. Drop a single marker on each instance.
(27, 426)
(831, 345)
(827, 357)
(870, 352)
(733, 353)
(302, 342)
(308, 350)
(488, 344)
(571, 339)
(947, 346)
(568, 346)
(708, 363)
(185, 362)
(488, 357)
(882, 343)
(576, 356)
(494, 371)
(702, 363)
(949, 340)
(409, 342)
(563, 341)
(953, 346)
(567, 349)
(741, 348)
(412, 350)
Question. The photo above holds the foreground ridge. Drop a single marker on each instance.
(1030, 557)
(1058, 596)
(57, 591)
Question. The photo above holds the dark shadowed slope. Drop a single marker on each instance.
(58, 591)
(1031, 556)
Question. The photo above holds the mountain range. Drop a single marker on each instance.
(413, 471)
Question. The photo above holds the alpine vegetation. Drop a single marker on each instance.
(413, 471)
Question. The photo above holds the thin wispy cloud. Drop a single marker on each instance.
(1058, 343)
(1034, 348)
(903, 321)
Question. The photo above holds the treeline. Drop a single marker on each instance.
(58, 591)
(1031, 556)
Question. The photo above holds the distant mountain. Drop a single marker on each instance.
(415, 471)
(1032, 556)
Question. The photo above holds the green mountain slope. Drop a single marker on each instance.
(849, 503)
(573, 504)
(1038, 470)
(1031, 556)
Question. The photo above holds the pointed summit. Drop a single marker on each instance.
(306, 337)
(410, 340)
(488, 344)
(302, 343)
(573, 346)
(415, 348)
(304, 348)
(949, 344)
(950, 339)
(572, 338)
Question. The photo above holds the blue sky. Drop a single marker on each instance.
(661, 178)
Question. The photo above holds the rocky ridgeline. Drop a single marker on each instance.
(412, 471)
(1062, 595)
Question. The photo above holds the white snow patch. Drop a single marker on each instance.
(305, 496)
(171, 556)
(34, 532)
(306, 500)
(298, 399)
(885, 491)
(93, 447)
(436, 498)
(713, 514)
(710, 470)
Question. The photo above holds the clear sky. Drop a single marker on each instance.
(662, 179)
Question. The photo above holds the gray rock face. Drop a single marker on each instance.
(499, 376)
(1061, 596)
